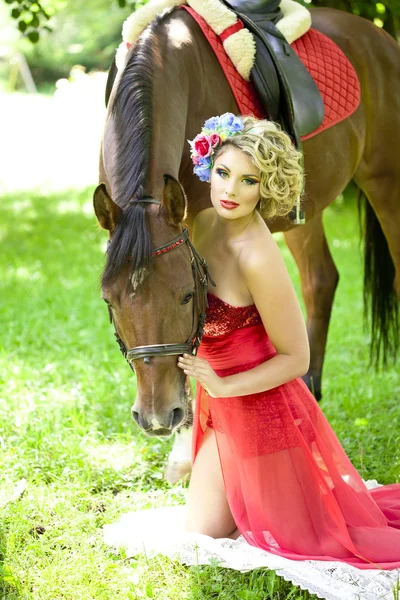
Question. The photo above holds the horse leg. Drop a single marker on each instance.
(319, 278)
(180, 459)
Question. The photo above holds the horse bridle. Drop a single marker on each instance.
(201, 278)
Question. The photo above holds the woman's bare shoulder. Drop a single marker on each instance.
(258, 249)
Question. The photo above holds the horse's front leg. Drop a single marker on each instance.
(180, 460)
(319, 279)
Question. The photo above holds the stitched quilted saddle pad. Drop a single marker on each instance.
(333, 73)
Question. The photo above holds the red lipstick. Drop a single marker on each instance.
(228, 204)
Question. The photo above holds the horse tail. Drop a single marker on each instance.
(381, 310)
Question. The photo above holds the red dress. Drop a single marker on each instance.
(290, 486)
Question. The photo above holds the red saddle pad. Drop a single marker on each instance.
(332, 71)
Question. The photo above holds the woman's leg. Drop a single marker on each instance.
(207, 509)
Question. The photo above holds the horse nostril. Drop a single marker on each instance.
(177, 417)
(135, 417)
(140, 420)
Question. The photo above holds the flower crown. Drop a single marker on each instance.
(214, 132)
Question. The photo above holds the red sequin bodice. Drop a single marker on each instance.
(224, 318)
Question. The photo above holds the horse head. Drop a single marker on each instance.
(152, 286)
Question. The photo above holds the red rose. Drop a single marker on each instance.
(202, 145)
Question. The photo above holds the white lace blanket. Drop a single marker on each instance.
(160, 531)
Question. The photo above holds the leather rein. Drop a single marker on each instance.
(201, 278)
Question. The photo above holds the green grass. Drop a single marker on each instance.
(65, 426)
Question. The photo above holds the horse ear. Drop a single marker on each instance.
(107, 212)
(173, 201)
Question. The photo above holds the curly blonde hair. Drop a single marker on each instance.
(278, 161)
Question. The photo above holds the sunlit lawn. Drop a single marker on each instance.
(65, 414)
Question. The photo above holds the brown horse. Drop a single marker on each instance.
(172, 83)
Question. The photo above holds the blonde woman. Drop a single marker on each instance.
(266, 463)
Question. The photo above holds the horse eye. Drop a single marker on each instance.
(188, 298)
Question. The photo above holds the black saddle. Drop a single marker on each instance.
(269, 8)
(286, 90)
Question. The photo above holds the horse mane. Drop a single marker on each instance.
(132, 114)
(130, 241)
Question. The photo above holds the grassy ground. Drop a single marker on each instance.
(65, 424)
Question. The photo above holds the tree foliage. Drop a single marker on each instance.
(385, 13)
(35, 16)
(83, 33)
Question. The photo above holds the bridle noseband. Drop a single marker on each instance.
(201, 278)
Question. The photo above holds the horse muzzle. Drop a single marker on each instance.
(160, 423)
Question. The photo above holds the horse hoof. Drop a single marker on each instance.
(176, 470)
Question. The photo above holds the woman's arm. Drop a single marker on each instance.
(268, 281)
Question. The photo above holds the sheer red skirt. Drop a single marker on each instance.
(290, 486)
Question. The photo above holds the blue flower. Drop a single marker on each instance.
(205, 161)
(203, 173)
(211, 124)
(203, 169)
(230, 122)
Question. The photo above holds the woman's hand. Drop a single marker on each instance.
(200, 369)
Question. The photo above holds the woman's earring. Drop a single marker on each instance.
(297, 214)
